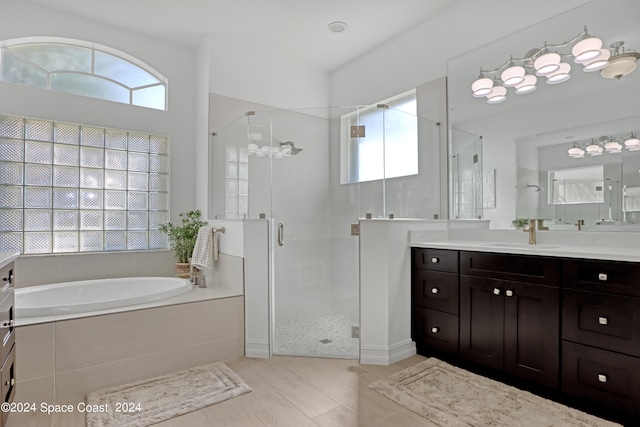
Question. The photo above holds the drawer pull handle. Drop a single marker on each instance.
(602, 378)
(10, 382)
(496, 291)
(7, 325)
(509, 292)
(602, 277)
(435, 260)
(603, 320)
(435, 290)
(435, 330)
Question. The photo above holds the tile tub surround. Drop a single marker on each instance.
(44, 269)
(61, 361)
(225, 279)
(8, 256)
(66, 356)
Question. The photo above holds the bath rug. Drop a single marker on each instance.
(158, 399)
(450, 396)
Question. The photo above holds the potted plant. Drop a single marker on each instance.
(182, 239)
(520, 223)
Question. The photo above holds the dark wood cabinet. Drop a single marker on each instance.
(601, 332)
(435, 287)
(7, 349)
(571, 325)
(508, 325)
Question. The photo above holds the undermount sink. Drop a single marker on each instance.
(520, 246)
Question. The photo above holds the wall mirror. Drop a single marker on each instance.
(525, 139)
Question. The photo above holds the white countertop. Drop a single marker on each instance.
(567, 251)
(8, 256)
(579, 244)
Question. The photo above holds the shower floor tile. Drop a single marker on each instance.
(327, 336)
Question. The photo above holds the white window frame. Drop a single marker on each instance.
(94, 47)
(349, 163)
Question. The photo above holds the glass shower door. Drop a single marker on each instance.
(315, 285)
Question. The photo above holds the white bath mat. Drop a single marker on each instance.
(158, 399)
(450, 396)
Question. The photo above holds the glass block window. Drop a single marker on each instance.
(236, 183)
(82, 68)
(68, 187)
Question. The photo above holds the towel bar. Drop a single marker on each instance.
(220, 230)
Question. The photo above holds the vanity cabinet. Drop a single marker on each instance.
(569, 325)
(435, 300)
(601, 332)
(7, 332)
(510, 314)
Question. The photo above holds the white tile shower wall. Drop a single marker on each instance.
(103, 351)
(47, 269)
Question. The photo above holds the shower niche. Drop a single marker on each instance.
(288, 167)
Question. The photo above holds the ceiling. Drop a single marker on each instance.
(295, 29)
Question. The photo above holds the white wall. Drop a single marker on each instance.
(18, 19)
(240, 70)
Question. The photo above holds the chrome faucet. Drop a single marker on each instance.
(532, 231)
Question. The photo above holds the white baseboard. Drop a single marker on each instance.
(258, 349)
(378, 355)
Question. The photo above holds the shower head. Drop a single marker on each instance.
(537, 187)
(289, 147)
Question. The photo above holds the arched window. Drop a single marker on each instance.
(82, 68)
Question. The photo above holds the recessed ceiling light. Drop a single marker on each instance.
(337, 27)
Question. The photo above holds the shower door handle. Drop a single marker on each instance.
(280, 234)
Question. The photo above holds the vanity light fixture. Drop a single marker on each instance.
(512, 76)
(621, 62)
(604, 144)
(547, 61)
(594, 149)
(560, 75)
(633, 143)
(576, 152)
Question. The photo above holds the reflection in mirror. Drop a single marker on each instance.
(466, 176)
(528, 135)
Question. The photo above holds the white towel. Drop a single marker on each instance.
(205, 250)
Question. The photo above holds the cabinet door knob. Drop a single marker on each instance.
(7, 325)
(603, 320)
(435, 290)
(435, 260)
(509, 292)
(496, 291)
(602, 378)
(435, 330)
(602, 277)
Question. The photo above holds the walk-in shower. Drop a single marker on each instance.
(258, 170)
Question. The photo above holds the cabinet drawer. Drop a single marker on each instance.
(435, 330)
(607, 321)
(8, 381)
(606, 377)
(6, 281)
(602, 276)
(518, 268)
(437, 290)
(436, 259)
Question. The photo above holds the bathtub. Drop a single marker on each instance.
(92, 295)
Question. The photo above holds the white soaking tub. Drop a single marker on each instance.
(92, 295)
